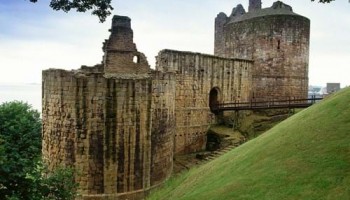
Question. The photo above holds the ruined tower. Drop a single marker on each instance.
(277, 39)
(120, 52)
(113, 122)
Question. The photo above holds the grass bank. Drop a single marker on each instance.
(306, 156)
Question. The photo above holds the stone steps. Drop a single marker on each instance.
(201, 158)
(220, 152)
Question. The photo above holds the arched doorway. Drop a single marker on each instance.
(214, 99)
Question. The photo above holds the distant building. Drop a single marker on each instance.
(333, 87)
(317, 91)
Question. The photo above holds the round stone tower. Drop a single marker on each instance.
(276, 39)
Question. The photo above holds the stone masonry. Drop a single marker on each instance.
(121, 55)
(120, 123)
(276, 39)
(107, 129)
(196, 75)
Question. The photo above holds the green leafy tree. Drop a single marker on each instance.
(22, 174)
(324, 1)
(20, 144)
(101, 8)
(58, 184)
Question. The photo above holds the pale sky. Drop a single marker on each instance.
(33, 37)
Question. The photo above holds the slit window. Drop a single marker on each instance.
(136, 59)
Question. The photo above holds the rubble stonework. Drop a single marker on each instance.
(120, 123)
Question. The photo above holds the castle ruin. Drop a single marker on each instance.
(119, 123)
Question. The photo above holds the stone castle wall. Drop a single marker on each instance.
(277, 40)
(120, 123)
(73, 124)
(110, 130)
(120, 133)
(163, 126)
(196, 75)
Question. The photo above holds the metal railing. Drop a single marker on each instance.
(268, 104)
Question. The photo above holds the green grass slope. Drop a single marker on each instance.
(305, 157)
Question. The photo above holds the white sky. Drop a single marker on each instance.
(33, 37)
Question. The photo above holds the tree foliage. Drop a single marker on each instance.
(58, 184)
(20, 135)
(324, 1)
(101, 8)
(22, 175)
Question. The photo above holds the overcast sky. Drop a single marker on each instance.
(33, 37)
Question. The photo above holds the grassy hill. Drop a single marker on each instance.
(305, 157)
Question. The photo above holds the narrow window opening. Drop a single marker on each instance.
(278, 44)
(136, 59)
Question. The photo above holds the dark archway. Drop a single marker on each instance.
(214, 99)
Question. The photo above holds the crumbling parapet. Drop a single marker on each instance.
(120, 52)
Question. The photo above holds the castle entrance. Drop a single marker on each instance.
(214, 98)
